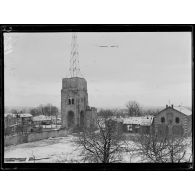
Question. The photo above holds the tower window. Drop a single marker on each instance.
(71, 101)
(177, 119)
(162, 119)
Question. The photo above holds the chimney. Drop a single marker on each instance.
(171, 105)
(166, 106)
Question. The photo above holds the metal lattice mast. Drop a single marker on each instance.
(74, 58)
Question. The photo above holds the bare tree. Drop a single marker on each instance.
(134, 109)
(35, 111)
(177, 149)
(162, 149)
(103, 144)
(105, 114)
(48, 110)
(14, 111)
(151, 111)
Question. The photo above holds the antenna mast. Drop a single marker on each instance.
(74, 58)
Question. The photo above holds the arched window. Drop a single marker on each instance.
(72, 100)
(177, 119)
(162, 119)
(69, 101)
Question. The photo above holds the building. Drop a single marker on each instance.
(56, 120)
(91, 116)
(175, 120)
(42, 120)
(26, 119)
(11, 121)
(140, 124)
(75, 111)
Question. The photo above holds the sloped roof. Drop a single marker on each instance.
(25, 115)
(180, 109)
(183, 110)
(41, 118)
(143, 120)
(147, 121)
(9, 114)
(20, 115)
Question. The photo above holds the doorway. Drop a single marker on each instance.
(82, 119)
(70, 119)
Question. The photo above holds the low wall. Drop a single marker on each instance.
(19, 139)
(15, 139)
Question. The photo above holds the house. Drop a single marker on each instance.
(140, 124)
(56, 120)
(175, 120)
(25, 119)
(11, 121)
(42, 120)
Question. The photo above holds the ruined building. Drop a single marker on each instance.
(75, 111)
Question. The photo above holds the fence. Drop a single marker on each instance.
(19, 139)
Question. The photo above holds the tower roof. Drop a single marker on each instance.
(74, 83)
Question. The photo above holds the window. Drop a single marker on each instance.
(162, 119)
(177, 119)
(70, 101)
(129, 127)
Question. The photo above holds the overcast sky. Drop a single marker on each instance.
(152, 68)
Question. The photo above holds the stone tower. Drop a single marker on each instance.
(74, 102)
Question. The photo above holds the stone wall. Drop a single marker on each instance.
(91, 117)
(19, 139)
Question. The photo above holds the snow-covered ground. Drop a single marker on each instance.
(54, 150)
(61, 149)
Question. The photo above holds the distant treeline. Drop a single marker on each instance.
(132, 108)
(48, 110)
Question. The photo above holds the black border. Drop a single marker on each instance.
(35, 28)
(95, 28)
